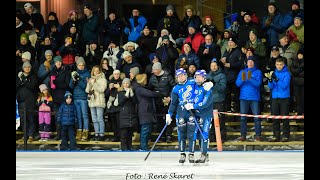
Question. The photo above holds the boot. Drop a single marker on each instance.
(30, 139)
(191, 158)
(182, 158)
(58, 129)
(202, 159)
(79, 134)
(136, 137)
(42, 135)
(85, 135)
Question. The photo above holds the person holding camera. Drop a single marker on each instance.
(78, 83)
(96, 86)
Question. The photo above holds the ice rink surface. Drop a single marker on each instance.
(110, 165)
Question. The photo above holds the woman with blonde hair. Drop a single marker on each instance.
(96, 86)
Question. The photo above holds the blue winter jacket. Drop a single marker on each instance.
(67, 114)
(250, 88)
(135, 32)
(281, 89)
(79, 88)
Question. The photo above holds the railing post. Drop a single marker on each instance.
(217, 129)
(25, 145)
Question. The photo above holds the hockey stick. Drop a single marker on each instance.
(195, 120)
(154, 144)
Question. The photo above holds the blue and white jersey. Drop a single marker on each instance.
(181, 94)
(203, 101)
(17, 112)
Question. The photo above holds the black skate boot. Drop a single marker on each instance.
(202, 159)
(182, 158)
(191, 158)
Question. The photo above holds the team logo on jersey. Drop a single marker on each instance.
(200, 121)
(191, 119)
(181, 121)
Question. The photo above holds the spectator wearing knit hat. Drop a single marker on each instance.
(162, 81)
(135, 51)
(74, 32)
(45, 104)
(78, 84)
(35, 19)
(245, 28)
(209, 28)
(295, 10)
(114, 85)
(147, 43)
(112, 29)
(26, 85)
(219, 80)
(285, 49)
(249, 81)
(167, 54)
(68, 51)
(22, 47)
(135, 25)
(93, 54)
(67, 118)
(194, 37)
(52, 22)
(259, 47)
(170, 21)
(45, 68)
(112, 54)
(90, 25)
(146, 111)
(73, 20)
(58, 85)
(223, 41)
(153, 59)
(127, 63)
(46, 44)
(297, 71)
(271, 25)
(163, 33)
(231, 65)
(21, 27)
(295, 33)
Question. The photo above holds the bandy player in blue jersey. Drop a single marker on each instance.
(202, 105)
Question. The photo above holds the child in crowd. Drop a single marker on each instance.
(67, 118)
(45, 104)
(127, 116)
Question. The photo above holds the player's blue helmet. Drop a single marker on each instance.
(180, 71)
(201, 72)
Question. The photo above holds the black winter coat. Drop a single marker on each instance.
(128, 114)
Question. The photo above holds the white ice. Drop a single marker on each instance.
(108, 165)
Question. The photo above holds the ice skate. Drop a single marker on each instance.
(191, 158)
(182, 158)
(203, 158)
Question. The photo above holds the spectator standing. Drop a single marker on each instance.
(249, 81)
(279, 84)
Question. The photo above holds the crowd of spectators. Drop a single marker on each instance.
(126, 85)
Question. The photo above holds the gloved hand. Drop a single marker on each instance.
(207, 85)
(292, 36)
(243, 76)
(131, 92)
(45, 101)
(127, 93)
(249, 74)
(269, 75)
(274, 77)
(168, 119)
(17, 123)
(20, 74)
(189, 106)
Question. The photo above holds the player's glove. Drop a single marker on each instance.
(207, 85)
(168, 119)
(189, 106)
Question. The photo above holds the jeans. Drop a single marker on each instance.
(145, 135)
(82, 113)
(97, 119)
(245, 106)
